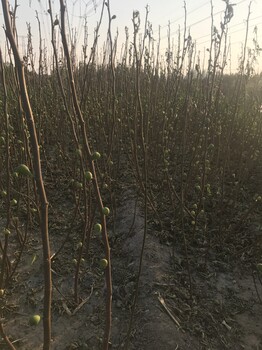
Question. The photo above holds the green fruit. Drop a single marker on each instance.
(79, 245)
(23, 169)
(78, 185)
(98, 228)
(103, 263)
(34, 320)
(74, 261)
(88, 176)
(259, 267)
(6, 231)
(3, 193)
(106, 211)
(79, 152)
(96, 155)
(13, 202)
(2, 292)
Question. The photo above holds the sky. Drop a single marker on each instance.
(161, 12)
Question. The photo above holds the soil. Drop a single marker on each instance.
(222, 311)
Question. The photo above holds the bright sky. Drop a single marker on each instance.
(161, 12)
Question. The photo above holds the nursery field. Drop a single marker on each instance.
(130, 193)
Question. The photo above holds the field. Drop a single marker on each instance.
(130, 195)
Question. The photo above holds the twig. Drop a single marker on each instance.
(255, 284)
(173, 318)
(5, 337)
(79, 306)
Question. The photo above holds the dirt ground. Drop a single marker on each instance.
(224, 314)
(224, 311)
